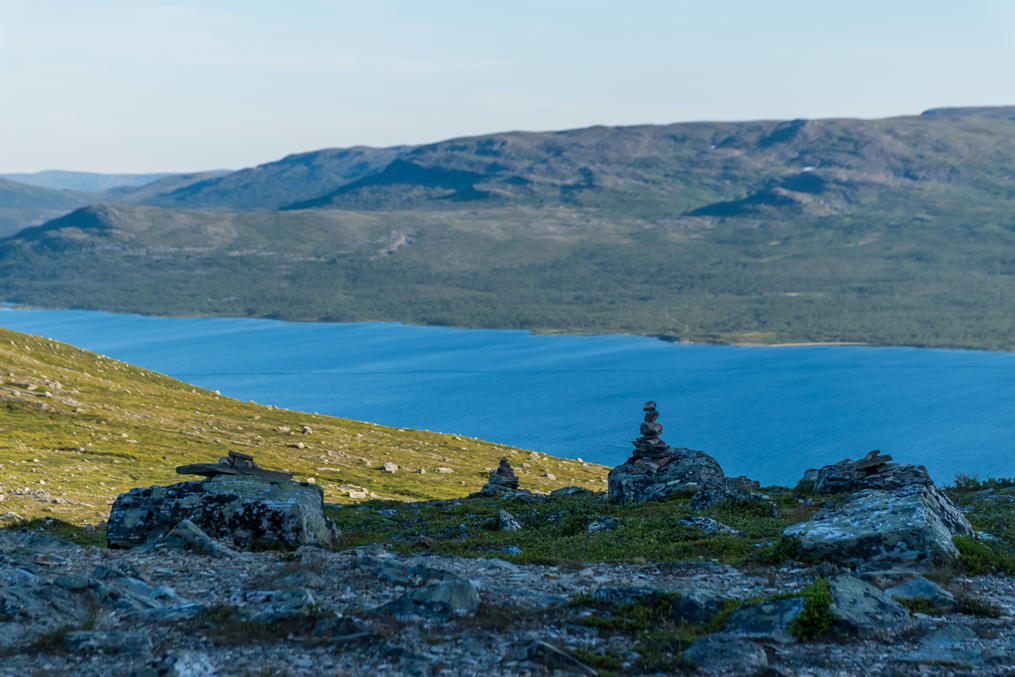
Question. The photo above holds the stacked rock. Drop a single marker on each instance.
(504, 476)
(649, 445)
(503, 482)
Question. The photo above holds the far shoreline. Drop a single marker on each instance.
(11, 306)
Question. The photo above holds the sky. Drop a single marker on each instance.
(152, 85)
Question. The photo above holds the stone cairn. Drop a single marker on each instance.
(504, 476)
(502, 481)
(649, 446)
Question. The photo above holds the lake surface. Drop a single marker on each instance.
(769, 413)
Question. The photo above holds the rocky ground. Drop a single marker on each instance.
(865, 567)
(67, 609)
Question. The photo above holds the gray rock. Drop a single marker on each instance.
(722, 654)
(301, 579)
(603, 524)
(708, 525)
(947, 637)
(92, 641)
(845, 476)
(914, 524)
(459, 595)
(169, 614)
(187, 536)
(244, 508)
(651, 479)
(564, 492)
(281, 605)
(766, 620)
(178, 663)
(507, 522)
(694, 606)
(454, 596)
(389, 467)
(859, 608)
(555, 659)
(74, 582)
(920, 588)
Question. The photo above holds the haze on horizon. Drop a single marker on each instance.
(114, 86)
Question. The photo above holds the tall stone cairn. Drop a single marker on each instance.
(649, 445)
(657, 470)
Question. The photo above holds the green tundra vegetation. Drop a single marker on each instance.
(889, 232)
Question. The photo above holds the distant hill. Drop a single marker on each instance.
(24, 205)
(85, 181)
(267, 186)
(896, 231)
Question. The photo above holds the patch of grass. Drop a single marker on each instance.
(920, 605)
(555, 531)
(603, 660)
(815, 619)
(225, 625)
(977, 558)
(85, 536)
(52, 641)
(977, 607)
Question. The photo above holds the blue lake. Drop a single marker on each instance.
(769, 413)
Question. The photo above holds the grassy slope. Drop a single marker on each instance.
(105, 427)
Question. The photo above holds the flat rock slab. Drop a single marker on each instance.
(921, 589)
(859, 608)
(914, 524)
(722, 654)
(766, 620)
(243, 508)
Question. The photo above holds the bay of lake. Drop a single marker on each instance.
(766, 412)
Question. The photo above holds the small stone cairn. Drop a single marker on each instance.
(503, 482)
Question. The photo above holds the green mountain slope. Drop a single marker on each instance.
(23, 205)
(896, 231)
(77, 429)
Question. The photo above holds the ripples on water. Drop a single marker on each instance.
(769, 413)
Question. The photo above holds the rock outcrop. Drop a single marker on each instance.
(656, 470)
(241, 508)
(914, 524)
(873, 471)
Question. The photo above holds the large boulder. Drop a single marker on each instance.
(680, 470)
(858, 608)
(873, 471)
(914, 524)
(241, 508)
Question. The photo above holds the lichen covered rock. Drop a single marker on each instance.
(242, 508)
(652, 479)
(873, 471)
(913, 524)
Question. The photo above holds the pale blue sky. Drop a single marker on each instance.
(149, 85)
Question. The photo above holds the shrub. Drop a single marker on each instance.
(816, 617)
